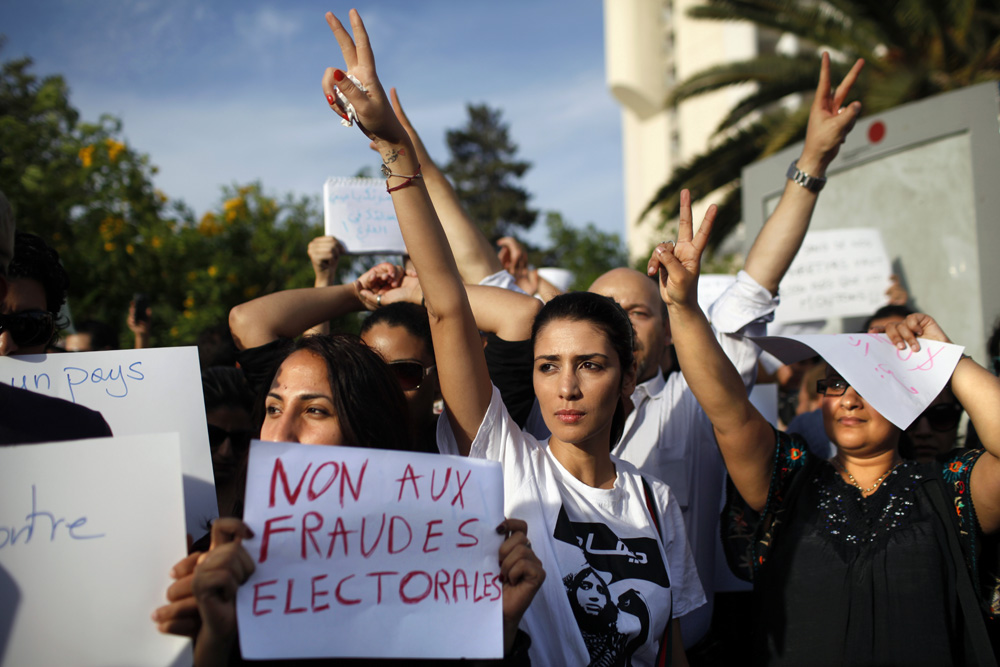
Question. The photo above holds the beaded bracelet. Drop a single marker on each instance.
(409, 179)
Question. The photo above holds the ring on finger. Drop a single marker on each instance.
(378, 301)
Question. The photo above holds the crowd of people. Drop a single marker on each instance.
(620, 416)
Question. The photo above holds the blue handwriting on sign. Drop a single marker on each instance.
(40, 519)
(117, 379)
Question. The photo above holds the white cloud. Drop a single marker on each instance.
(267, 25)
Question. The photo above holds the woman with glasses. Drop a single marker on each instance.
(865, 558)
(584, 508)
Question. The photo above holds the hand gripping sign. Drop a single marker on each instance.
(371, 553)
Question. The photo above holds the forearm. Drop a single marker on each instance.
(211, 650)
(978, 391)
(506, 313)
(289, 313)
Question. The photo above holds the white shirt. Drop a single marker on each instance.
(669, 436)
(604, 537)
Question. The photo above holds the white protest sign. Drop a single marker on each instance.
(836, 273)
(370, 553)
(89, 530)
(359, 212)
(157, 390)
(900, 384)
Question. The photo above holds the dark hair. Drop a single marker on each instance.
(993, 348)
(605, 314)
(35, 259)
(409, 316)
(887, 311)
(370, 404)
(102, 335)
(606, 618)
(224, 387)
(216, 346)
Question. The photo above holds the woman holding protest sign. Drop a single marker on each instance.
(586, 511)
(840, 551)
(328, 390)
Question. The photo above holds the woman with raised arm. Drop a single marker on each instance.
(863, 559)
(586, 510)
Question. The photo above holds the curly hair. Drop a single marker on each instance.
(35, 259)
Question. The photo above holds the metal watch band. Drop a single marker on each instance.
(810, 183)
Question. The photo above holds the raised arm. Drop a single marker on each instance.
(829, 123)
(978, 391)
(465, 381)
(289, 313)
(745, 438)
(324, 254)
(474, 255)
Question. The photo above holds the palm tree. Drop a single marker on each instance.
(913, 49)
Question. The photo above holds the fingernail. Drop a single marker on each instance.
(249, 533)
(501, 529)
(338, 75)
(329, 99)
(901, 345)
(154, 616)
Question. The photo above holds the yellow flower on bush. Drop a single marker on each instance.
(111, 227)
(114, 148)
(86, 155)
(209, 225)
(212, 270)
(157, 242)
(233, 207)
(130, 248)
(109, 246)
(160, 196)
(189, 302)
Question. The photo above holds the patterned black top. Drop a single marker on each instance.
(847, 580)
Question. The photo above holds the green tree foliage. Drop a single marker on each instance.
(912, 48)
(587, 253)
(485, 174)
(88, 194)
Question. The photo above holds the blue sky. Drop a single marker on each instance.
(228, 92)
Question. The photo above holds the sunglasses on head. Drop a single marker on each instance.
(410, 374)
(240, 440)
(29, 328)
(942, 417)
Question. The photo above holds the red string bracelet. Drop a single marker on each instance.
(409, 179)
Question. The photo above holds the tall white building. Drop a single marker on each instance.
(650, 45)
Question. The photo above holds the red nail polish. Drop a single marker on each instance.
(338, 75)
(329, 99)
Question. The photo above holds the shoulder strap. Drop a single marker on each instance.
(974, 622)
(663, 658)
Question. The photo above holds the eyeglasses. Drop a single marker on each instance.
(239, 439)
(941, 418)
(410, 374)
(29, 328)
(832, 386)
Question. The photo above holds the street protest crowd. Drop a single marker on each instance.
(632, 457)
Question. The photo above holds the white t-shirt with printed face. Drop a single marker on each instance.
(612, 584)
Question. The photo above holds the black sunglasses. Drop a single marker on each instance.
(942, 417)
(30, 327)
(832, 386)
(239, 439)
(410, 374)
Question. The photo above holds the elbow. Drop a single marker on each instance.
(238, 320)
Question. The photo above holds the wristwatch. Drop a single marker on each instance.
(810, 183)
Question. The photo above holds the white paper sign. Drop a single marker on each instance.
(836, 273)
(359, 212)
(157, 390)
(371, 553)
(900, 384)
(89, 530)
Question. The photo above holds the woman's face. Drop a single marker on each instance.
(578, 382)
(299, 405)
(592, 595)
(395, 343)
(853, 425)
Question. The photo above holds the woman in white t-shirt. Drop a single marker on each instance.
(587, 512)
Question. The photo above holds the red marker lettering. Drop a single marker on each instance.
(279, 469)
(364, 522)
(288, 600)
(439, 586)
(461, 531)
(380, 575)
(444, 487)
(318, 594)
(431, 534)
(265, 540)
(307, 531)
(407, 599)
(339, 531)
(409, 476)
(311, 493)
(340, 598)
(464, 585)
(257, 597)
(392, 535)
(461, 485)
(345, 481)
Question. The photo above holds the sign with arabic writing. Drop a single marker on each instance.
(900, 384)
(350, 542)
(359, 212)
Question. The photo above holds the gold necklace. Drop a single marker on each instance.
(864, 492)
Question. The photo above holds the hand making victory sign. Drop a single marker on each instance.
(679, 264)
